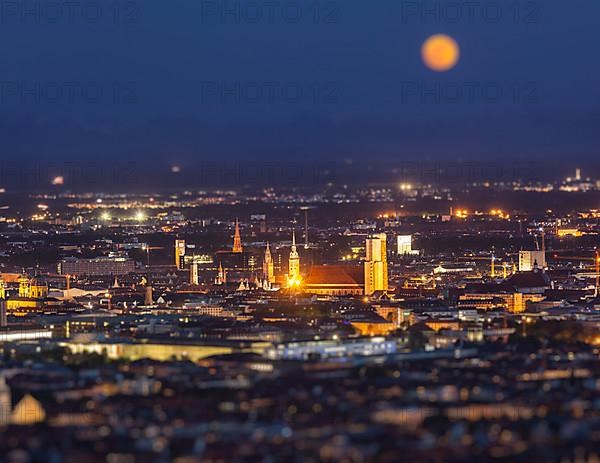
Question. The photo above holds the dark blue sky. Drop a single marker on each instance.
(174, 59)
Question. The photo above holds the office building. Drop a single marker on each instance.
(404, 244)
(99, 266)
(179, 253)
(529, 260)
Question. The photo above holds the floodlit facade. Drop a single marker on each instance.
(528, 260)
(179, 253)
(404, 244)
(375, 266)
(294, 278)
(237, 240)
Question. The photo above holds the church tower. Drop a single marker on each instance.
(375, 265)
(194, 273)
(38, 289)
(237, 239)
(24, 286)
(294, 264)
(268, 271)
(221, 278)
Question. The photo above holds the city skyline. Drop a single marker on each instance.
(281, 295)
(326, 231)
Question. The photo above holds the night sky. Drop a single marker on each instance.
(353, 63)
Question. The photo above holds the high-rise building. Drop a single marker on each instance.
(294, 264)
(98, 266)
(268, 268)
(237, 239)
(529, 260)
(258, 223)
(375, 266)
(404, 244)
(179, 253)
(194, 273)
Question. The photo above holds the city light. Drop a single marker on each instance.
(294, 232)
(204, 289)
(294, 282)
(499, 213)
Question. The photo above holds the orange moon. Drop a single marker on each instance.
(440, 52)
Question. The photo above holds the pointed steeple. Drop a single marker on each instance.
(294, 263)
(221, 278)
(237, 239)
(294, 251)
(268, 268)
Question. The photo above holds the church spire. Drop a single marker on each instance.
(237, 239)
(294, 264)
(268, 268)
(221, 278)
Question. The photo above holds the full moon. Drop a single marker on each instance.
(440, 52)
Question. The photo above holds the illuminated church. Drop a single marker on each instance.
(353, 280)
(32, 295)
(335, 280)
(237, 239)
(268, 271)
(235, 258)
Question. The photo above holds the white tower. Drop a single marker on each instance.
(194, 273)
(294, 264)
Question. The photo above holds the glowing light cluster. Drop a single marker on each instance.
(294, 282)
